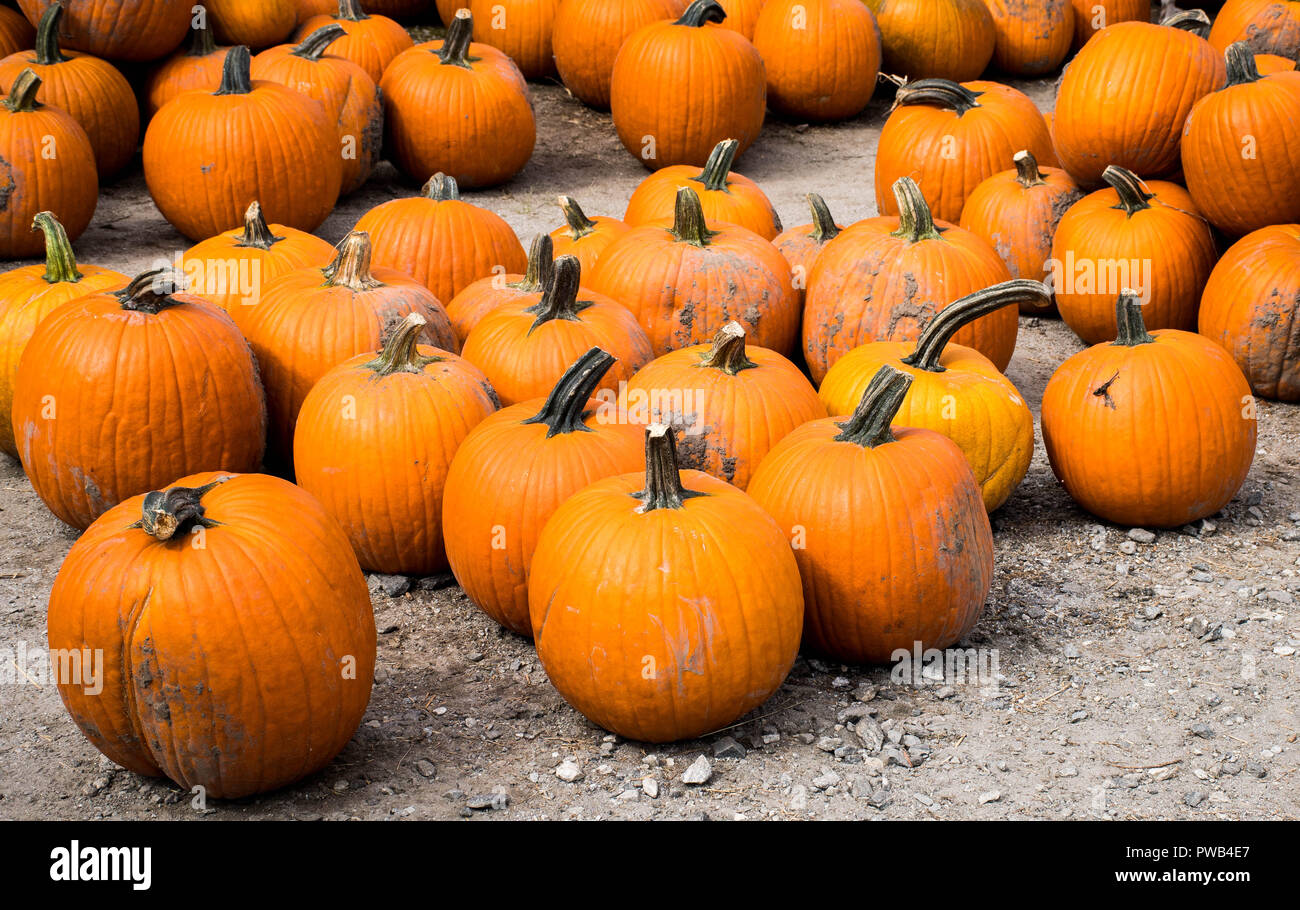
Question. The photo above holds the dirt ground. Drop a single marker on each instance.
(1135, 679)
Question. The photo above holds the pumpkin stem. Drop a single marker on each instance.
(314, 44)
(1242, 69)
(1132, 191)
(351, 11)
(945, 323)
(60, 263)
(455, 46)
(728, 351)
(560, 297)
(1194, 21)
(257, 233)
(201, 41)
(869, 425)
(579, 224)
(702, 11)
(401, 353)
(939, 92)
(663, 480)
(1027, 172)
(22, 97)
(915, 222)
(688, 219)
(47, 36)
(824, 227)
(541, 265)
(236, 72)
(165, 513)
(151, 292)
(1128, 317)
(441, 188)
(718, 167)
(351, 267)
(565, 405)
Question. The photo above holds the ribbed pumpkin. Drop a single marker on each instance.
(16, 33)
(257, 23)
(139, 30)
(234, 268)
(1268, 26)
(117, 391)
(1241, 148)
(891, 537)
(458, 108)
(1017, 212)
(441, 240)
(375, 438)
(350, 97)
(520, 29)
(945, 39)
(1268, 64)
(703, 624)
(1124, 98)
(681, 87)
(196, 66)
(1251, 306)
(28, 295)
(483, 296)
(822, 57)
(742, 15)
(206, 155)
(687, 278)
(950, 138)
(956, 390)
(585, 238)
(1153, 430)
(1091, 16)
(724, 196)
(803, 244)
(524, 348)
(32, 182)
(310, 320)
(588, 34)
(235, 630)
(371, 41)
(730, 404)
(309, 8)
(1032, 38)
(882, 279)
(1145, 236)
(512, 472)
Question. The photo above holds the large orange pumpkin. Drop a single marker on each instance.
(16, 33)
(478, 299)
(256, 23)
(1091, 16)
(588, 34)
(945, 39)
(1268, 26)
(196, 66)
(520, 29)
(803, 244)
(1268, 64)
(370, 41)
(742, 15)
(117, 30)
(585, 238)
(1032, 38)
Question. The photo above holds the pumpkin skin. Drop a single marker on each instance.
(705, 624)
(512, 472)
(1268, 26)
(587, 36)
(586, 239)
(375, 438)
(459, 108)
(28, 295)
(822, 57)
(1032, 38)
(370, 41)
(256, 23)
(116, 30)
(1268, 64)
(687, 278)
(442, 241)
(1239, 194)
(1131, 222)
(197, 66)
(16, 33)
(956, 391)
(172, 617)
(883, 278)
(66, 185)
(1251, 307)
(944, 39)
(481, 297)
(1091, 16)
(743, 401)
(894, 546)
(662, 123)
(1156, 430)
(524, 348)
(520, 29)
(803, 244)
(724, 196)
(742, 15)
(950, 138)
(116, 391)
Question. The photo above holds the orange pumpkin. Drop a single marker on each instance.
(1032, 38)
(1267, 26)
(139, 30)
(481, 297)
(16, 33)
(520, 29)
(945, 39)
(1268, 64)
(306, 9)
(370, 41)
(197, 66)
(1091, 16)
(374, 441)
(585, 238)
(256, 23)
(703, 625)
(742, 15)
(588, 34)
(890, 533)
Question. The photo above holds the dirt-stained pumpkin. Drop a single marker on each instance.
(1033, 36)
(1268, 26)
(803, 244)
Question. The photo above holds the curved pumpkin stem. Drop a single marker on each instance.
(824, 227)
(565, 405)
(236, 72)
(702, 11)
(22, 97)
(728, 351)
(688, 219)
(257, 233)
(47, 36)
(560, 298)
(401, 353)
(718, 167)
(1194, 21)
(915, 222)
(946, 323)
(60, 262)
(351, 267)
(942, 93)
(579, 224)
(541, 265)
(351, 11)
(1128, 317)
(1242, 68)
(455, 46)
(663, 479)
(440, 188)
(151, 292)
(201, 41)
(311, 47)
(166, 513)
(1027, 173)
(1133, 195)
(869, 425)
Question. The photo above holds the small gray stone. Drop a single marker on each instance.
(700, 772)
(569, 771)
(650, 787)
(992, 796)
(426, 768)
(1193, 798)
(1255, 769)
(388, 585)
(1204, 731)
(436, 582)
(870, 735)
(945, 692)
(1071, 652)
(825, 780)
(1141, 535)
(879, 799)
(829, 743)
(488, 801)
(1078, 716)
(726, 747)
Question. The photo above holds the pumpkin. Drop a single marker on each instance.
(1267, 26)
(587, 35)
(28, 295)
(135, 31)
(524, 348)
(521, 29)
(1125, 97)
(370, 41)
(196, 66)
(1091, 16)
(882, 279)
(890, 533)
(306, 9)
(235, 629)
(1251, 307)
(257, 23)
(1268, 64)
(16, 33)
(512, 472)
(446, 9)
(742, 15)
(116, 391)
(1154, 430)
(950, 138)
(206, 155)
(956, 390)
(1032, 39)
(436, 99)
(680, 87)
(375, 438)
(350, 98)
(803, 244)
(441, 240)
(686, 278)
(1145, 236)
(945, 39)
(585, 238)
(728, 403)
(1241, 148)
(704, 624)
(724, 196)
(1017, 212)
(31, 182)
(312, 319)
(96, 95)
(233, 268)
(481, 297)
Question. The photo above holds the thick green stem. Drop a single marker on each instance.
(942, 93)
(915, 223)
(869, 425)
(22, 97)
(236, 72)
(60, 262)
(151, 292)
(401, 353)
(314, 44)
(565, 406)
(946, 323)
(441, 188)
(824, 227)
(541, 265)
(201, 41)
(663, 480)
(351, 267)
(1133, 196)
(579, 224)
(166, 513)
(702, 11)
(560, 298)
(1242, 69)
(1194, 21)
(1027, 172)
(688, 219)
(1128, 318)
(718, 167)
(728, 351)
(455, 46)
(47, 36)
(257, 233)
(351, 11)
